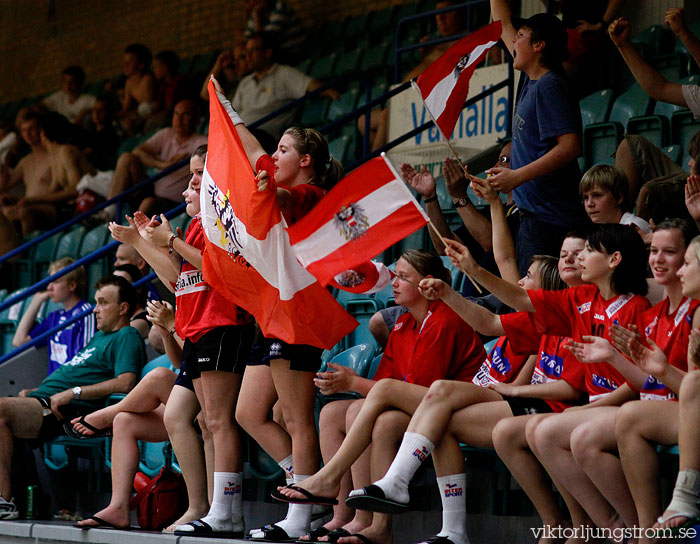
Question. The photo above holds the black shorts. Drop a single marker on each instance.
(527, 406)
(300, 356)
(183, 377)
(224, 348)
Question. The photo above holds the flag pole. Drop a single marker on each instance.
(447, 140)
(430, 223)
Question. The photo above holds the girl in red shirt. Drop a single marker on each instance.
(300, 171)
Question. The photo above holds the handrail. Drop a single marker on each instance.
(46, 334)
(38, 286)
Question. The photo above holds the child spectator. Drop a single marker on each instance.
(69, 291)
(605, 194)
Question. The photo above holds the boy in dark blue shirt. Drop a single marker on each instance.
(544, 173)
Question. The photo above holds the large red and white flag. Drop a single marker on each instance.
(444, 85)
(364, 214)
(248, 257)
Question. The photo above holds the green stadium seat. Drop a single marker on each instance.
(632, 103)
(376, 58)
(9, 318)
(339, 147)
(70, 242)
(595, 108)
(600, 141)
(683, 128)
(406, 10)
(655, 128)
(344, 105)
(382, 22)
(315, 112)
(673, 152)
(673, 66)
(324, 67)
(357, 26)
(304, 65)
(655, 39)
(349, 62)
(44, 253)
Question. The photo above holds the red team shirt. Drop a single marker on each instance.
(442, 347)
(554, 362)
(671, 332)
(582, 311)
(200, 308)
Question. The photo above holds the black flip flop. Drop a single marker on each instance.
(373, 499)
(102, 524)
(273, 533)
(203, 529)
(362, 538)
(70, 430)
(315, 534)
(310, 498)
(338, 533)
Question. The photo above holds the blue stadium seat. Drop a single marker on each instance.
(599, 143)
(374, 366)
(683, 128)
(315, 111)
(456, 273)
(673, 66)
(339, 148)
(344, 105)
(655, 128)
(349, 62)
(69, 243)
(674, 152)
(632, 103)
(656, 40)
(361, 309)
(324, 67)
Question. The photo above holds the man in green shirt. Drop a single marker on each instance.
(109, 363)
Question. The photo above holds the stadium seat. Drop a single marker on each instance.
(357, 358)
(376, 58)
(304, 65)
(656, 40)
(683, 128)
(69, 244)
(344, 105)
(600, 141)
(260, 464)
(339, 147)
(361, 309)
(357, 26)
(382, 21)
(632, 103)
(595, 108)
(324, 67)
(9, 318)
(655, 128)
(673, 66)
(349, 62)
(94, 240)
(673, 152)
(456, 273)
(315, 111)
(44, 253)
(374, 366)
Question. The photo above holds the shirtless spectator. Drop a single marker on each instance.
(165, 148)
(231, 65)
(278, 19)
(139, 88)
(68, 164)
(69, 100)
(270, 87)
(449, 23)
(32, 171)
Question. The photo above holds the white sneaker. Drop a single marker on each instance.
(8, 509)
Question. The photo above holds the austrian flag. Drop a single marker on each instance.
(444, 85)
(364, 214)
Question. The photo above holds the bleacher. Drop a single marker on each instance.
(361, 69)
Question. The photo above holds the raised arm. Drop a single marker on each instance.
(500, 11)
(252, 147)
(653, 83)
(675, 18)
(479, 318)
(509, 293)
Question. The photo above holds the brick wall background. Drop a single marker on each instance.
(38, 38)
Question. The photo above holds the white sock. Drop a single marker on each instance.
(298, 520)
(454, 507)
(414, 449)
(257, 533)
(287, 465)
(237, 501)
(686, 493)
(225, 485)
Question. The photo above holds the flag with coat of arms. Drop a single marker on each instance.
(368, 211)
(248, 257)
(444, 85)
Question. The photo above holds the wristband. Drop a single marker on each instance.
(431, 199)
(172, 331)
(171, 249)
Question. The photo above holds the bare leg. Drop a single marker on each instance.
(152, 391)
(37, 217)
(208, 440)
(9, 237)
(129, 428)
(594, 448)
(20, 417)
(220, 390)
(511, 445)
(384, 395)
(552, 446)
(179, 417)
